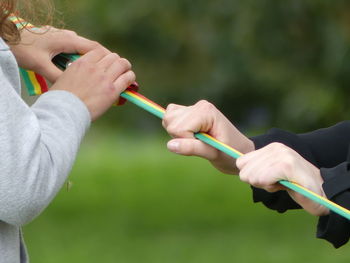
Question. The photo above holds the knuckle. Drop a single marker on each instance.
(127, 79)
(132, 76)
(95, 44)
(69, 33)
(275, 145)
(279, 148)
(101, 51)
(204, 104)
(123, 81)
(171, 107)
(125, 63)
(114, 56)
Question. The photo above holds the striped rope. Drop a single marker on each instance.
(158, 111)
(36, 85)
(133, 96)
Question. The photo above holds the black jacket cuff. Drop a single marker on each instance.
(333, 227)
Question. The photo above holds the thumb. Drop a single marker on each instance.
(80, 45)
(50, 72)
(192, 147)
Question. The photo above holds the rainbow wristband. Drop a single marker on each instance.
(35, 83)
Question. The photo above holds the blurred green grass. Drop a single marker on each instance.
(132, 201)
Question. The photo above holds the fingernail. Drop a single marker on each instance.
(174, 146)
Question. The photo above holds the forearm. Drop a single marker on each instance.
(38, 147)
(326, 147)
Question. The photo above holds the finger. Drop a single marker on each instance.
(76, 44)
(192, 147)
(172, 112)
(248, 157)
(242, 161)
(180, 126)
(171, 107)
(51, 72)
(95, 55)
(254, 170)
(118, 67)
(108, 60)
(124, 81)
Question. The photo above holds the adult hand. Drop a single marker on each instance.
(182, 122)
(36, 49)
(265, 167)
(97, 78)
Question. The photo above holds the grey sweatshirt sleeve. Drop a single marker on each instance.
(38, 146)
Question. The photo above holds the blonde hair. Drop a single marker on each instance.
(38, 12)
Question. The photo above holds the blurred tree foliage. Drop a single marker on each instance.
(262, 62)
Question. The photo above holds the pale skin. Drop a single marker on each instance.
(97, 78)
(261, 168)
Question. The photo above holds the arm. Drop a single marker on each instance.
(323, 148)
(38, 144)
(274, 162)
(38, 147)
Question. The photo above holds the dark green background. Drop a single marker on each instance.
(264, 63)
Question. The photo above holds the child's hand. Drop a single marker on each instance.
(182, 122)
(265, 167)
(97, 78)
(36, 50)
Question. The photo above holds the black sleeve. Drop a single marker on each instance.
(328, 147)
(325, 148)
(333, 227)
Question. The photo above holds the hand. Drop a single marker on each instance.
(265, 167)
(36, 50)
(182, 122)
(97, 78)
